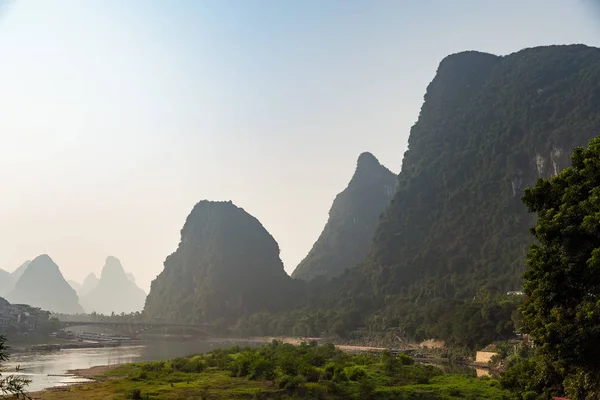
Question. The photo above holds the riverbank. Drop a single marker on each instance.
(70, 344)
(95, 374)
(275, 371)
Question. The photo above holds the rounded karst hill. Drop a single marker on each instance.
(227, 265)
(43, 285)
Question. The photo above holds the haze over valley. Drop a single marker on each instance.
(393, 198)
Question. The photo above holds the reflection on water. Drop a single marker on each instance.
(42, 368)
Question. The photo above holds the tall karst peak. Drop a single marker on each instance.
(43, 285)
(489, 127)
(226, 265)
(353, 218)
(114, 291)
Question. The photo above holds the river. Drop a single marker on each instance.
(42, 368)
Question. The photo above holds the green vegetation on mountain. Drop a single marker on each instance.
(353, 218)
(43, 285)
(283, 371)
(114, 292)
(562, 308)
(226, 266)
(489, 127)
(454, 238)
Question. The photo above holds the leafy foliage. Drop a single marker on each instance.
(489, 127)
(283, 371)
(353, 218)
(10, 385)
(562, 308)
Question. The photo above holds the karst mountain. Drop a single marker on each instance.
(227, 265)
(489, 127)
(353, 218)
(113, 292)
(41, 284)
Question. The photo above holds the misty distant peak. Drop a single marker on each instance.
(43, 285)
(112, 269)
(89, 283)
(115, 291)
(43, 258)
(43, 262)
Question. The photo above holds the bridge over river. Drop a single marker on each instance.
(133, 329)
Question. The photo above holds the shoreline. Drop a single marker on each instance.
(92, 373)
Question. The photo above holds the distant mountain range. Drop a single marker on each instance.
(40, 283)
(9, 279)
(115, 291)
(43, 285)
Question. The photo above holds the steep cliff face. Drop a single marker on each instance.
(353, 218)
(43, 285)
(489, 127)
(227, 265)
(114, 292)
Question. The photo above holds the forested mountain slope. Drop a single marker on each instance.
(489, 127)
(227, 265)
(353, 218)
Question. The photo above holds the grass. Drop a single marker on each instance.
(278, 371)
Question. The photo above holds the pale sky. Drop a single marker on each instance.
(116, 116)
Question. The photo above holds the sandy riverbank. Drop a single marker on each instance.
(93, 372)
(295, 341)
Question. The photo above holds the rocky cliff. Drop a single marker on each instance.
(43, 285)
(353, 218)
(227, 265)
(489, 127)
(114, 292)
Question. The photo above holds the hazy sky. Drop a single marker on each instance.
(117, 116)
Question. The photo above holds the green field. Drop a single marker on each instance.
(283, 371)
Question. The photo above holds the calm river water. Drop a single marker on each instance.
(40, 367)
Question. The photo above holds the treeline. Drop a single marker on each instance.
(96, 317)
(490, 316)
(284, 371)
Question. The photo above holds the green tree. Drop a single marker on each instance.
(10, 385)
(562, 285)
